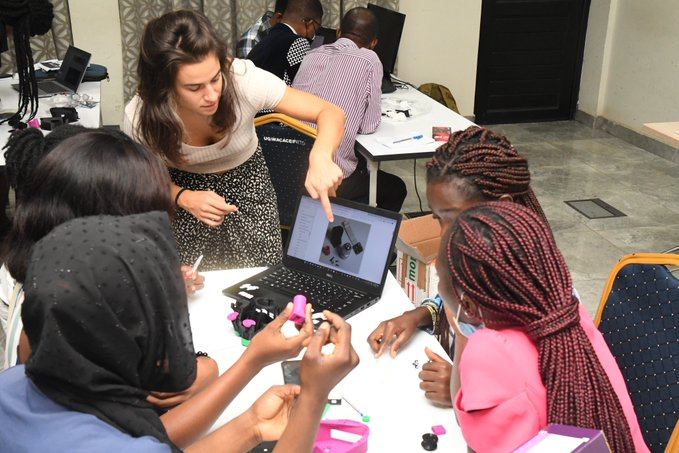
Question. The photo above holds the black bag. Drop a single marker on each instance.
(67, 114)
(95, 73)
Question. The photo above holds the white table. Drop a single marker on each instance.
(428, 114)
(9, 97)
(385, 389)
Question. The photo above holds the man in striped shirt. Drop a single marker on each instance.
(349, 74)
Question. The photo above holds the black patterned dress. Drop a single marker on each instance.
(249, 237)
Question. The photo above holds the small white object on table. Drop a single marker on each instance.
(426, 113)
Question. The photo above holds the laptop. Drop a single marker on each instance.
(69, 76)
(339, 266)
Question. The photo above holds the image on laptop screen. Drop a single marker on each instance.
(356, 243)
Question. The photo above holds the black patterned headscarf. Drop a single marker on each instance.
(107, 319)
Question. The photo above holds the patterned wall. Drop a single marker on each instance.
(50, 45)
(230, 17)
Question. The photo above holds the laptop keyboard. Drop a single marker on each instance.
(49, 86)
(321, 293)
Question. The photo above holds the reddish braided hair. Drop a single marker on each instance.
(504, 257)
(488, 163)
(488, 167)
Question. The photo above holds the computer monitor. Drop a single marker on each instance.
(324, 36)
(389, 36)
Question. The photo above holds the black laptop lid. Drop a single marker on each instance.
(353, 250)
(73, 68)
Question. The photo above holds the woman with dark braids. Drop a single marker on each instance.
(540, 358)
(474, 166)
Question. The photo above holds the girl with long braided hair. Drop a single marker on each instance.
(540, 358)
(474, 166)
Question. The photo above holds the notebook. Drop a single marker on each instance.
(69, 77)
(339, 266)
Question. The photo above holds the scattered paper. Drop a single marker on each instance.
(48, 65)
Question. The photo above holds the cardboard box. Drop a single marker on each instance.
(417, 247)
(566, 439)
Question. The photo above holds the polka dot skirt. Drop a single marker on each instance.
(249, 237)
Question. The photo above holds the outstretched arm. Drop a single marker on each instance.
(324, 176)
(393, 334)
(190, 420)
(264, 420)
(319, 373)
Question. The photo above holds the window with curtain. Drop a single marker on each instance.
(230, 17)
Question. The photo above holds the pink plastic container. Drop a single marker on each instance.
(326, 444)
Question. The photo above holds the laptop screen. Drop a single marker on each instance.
(73, 68)
(357, 243)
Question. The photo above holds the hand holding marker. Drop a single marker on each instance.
(196, 264)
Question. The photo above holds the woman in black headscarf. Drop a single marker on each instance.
(75, 172)
(106, 318)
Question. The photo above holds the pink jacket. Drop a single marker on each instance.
(502, 402)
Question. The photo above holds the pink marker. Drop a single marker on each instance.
(298, 315)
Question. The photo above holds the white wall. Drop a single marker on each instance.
(631, 62)
(642, 78)
(440, 44)
(96, 29)
(595, 58)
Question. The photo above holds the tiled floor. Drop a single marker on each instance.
(570, 161)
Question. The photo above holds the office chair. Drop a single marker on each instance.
(286, 143)
(639, 318)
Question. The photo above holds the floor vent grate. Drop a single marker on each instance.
(595, 208)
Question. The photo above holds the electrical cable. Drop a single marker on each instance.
(417, 192)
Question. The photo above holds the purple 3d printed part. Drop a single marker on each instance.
(298, 315)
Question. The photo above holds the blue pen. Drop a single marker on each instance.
(416, 137)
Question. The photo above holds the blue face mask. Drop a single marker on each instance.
(466, 329)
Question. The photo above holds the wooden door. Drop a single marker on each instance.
(530, 58)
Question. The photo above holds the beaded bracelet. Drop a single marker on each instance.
(434, 313)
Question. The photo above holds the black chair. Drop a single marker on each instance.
(639, 319)
(286, 143)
